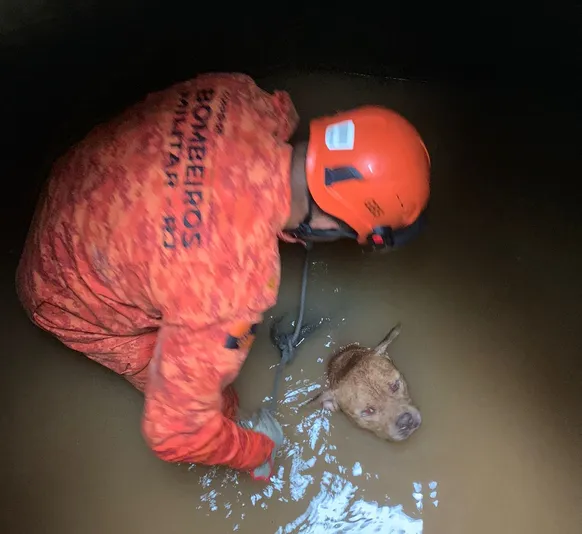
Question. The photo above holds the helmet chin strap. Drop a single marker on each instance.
(304, 231)
(382, 238)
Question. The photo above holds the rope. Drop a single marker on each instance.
(287, 343)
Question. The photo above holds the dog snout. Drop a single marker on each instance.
(407, 423)
(404, 421)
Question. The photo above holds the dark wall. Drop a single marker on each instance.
(410, 39)
(67, 64)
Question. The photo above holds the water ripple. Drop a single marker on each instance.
(338, 505)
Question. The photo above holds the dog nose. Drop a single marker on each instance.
(404, 421)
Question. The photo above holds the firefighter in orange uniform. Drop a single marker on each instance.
(154, 247)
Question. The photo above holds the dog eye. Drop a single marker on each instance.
(395, 386)
(368, 411)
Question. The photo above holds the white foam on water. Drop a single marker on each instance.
(418, 496)
(302, 390)
(336, 509)
(357, 469)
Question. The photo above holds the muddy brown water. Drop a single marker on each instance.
(489, 301)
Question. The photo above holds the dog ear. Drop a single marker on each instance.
(327, 400)
(382, 348)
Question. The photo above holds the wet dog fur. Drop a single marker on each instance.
(365, 384)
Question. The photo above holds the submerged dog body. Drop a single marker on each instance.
(365, 384)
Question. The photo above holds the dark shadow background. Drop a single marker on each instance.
(66, 64)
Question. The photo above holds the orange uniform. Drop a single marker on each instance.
(154, 252)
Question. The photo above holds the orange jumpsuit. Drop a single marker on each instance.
(154, 252)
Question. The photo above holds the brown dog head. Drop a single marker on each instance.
(365, 384)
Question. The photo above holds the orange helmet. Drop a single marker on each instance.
(369, 168)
